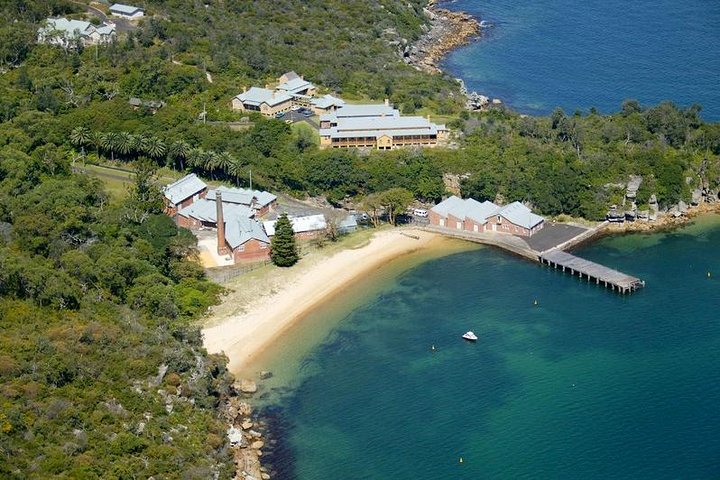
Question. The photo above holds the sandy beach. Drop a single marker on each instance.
(255, 314)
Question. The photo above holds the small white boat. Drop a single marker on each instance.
(470, 336)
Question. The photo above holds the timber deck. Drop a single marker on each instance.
(613, 279)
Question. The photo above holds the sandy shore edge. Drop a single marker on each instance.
(244, 335)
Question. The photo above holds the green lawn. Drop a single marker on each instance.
(116, 180)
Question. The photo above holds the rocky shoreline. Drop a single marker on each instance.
(448, 31)
(664, 221)
(247, 433)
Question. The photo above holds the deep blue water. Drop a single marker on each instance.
(588, 384)
(580, 54)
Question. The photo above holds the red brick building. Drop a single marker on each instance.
(473, 216)
(183, 193)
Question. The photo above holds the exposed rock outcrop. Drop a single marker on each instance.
(448, 30)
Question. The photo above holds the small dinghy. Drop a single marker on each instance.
(470, 336)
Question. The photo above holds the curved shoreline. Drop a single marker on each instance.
(246, 331)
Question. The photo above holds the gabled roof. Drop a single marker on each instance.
(479, 212)
(243, 196)
(327, 101)
(206, 211)
(125, 9)
(184, 188)
(240, 230)
(106, 29)
(450, 206)
(520, 215)
(310, 223)
(350, 111)
(295, 85)
(64, 25)
(291, 75)
(257, 96)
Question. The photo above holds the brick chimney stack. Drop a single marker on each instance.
(221, 243)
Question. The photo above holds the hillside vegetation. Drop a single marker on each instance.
(102, 372)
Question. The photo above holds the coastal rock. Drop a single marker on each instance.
(448, 30)
(244, 409)
(246, 424)
(257, 445)
(254, 434)
(265, 476)
(248, 386)
(682, 207)
(697, 196)
(264, 375)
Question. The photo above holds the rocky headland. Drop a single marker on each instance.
(448, 31)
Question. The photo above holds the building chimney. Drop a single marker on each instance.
(221, 242)
(387, 102)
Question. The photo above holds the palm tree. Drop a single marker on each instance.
(110, 142)
(179, 151)
(196, 158)
(210, 162)
(126, 143)
(81, 136)
(140, 144)
(237, 170)
(223, 161)
(155, 148)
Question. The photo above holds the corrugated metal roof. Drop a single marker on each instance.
(354, 111)
(327, 101)
(240, 230)
(206, 211)
(184, 188)
(520, 215)
(295, 85)
(257, 96)
(449, 205)
(515, 212)
(243, 196)
(310, 223)
(125, 9)
(378, 126)
(68, 26)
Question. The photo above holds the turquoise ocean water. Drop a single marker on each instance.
(587, 384)
(580, 54)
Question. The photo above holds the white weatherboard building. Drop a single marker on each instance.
(126, 11)
(69, 33)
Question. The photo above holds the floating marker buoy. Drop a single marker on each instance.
(461, 460)
(708, 274)
(433, 348)
(535, 303)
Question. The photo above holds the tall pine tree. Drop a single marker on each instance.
(283, 250)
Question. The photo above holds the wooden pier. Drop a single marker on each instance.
(617, 281)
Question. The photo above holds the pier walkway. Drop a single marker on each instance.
(553, 239)
(592, 271)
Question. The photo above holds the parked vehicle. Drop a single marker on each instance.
(420, 212)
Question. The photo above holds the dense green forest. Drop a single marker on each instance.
(98, 296)
(102, 371)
